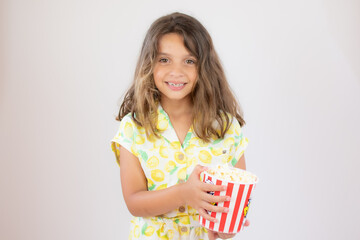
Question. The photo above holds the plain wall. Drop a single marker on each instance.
(294, 66)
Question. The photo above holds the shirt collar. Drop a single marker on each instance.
(167, 130)
(164, 125)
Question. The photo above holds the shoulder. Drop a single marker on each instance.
(129, 127)
(235, 127)
(127, 118)
(232, 120)
(127, 122)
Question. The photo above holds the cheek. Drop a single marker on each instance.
(193, 75)
(158, 74)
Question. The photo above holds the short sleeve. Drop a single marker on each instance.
(241, 141)
(124, 137)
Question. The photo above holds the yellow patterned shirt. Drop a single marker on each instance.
(166, 162)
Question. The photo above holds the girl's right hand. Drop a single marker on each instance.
(195, 195)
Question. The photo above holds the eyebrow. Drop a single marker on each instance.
(167, 54)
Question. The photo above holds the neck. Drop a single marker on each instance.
(177, 107)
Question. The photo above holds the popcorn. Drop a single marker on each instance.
(240, 185)
(232, 174)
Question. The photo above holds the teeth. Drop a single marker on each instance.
(176, 85)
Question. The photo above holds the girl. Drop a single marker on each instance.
(178, 113)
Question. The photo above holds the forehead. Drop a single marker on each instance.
(172, 43)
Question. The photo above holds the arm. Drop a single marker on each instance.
(144, 203)
(139, 201)
(241, 163)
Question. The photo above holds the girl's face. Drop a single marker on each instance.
(175, 71)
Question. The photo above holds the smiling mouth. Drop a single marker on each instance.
(176, 84)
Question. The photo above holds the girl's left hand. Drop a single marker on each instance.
(214, 235)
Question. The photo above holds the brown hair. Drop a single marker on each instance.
(212, 96)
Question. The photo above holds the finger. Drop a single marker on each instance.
(205, 215)
(215, 199)
(226, 235)
(212, 188)
(213, 208)
(199, 168)
(212, 235)
(247, 223)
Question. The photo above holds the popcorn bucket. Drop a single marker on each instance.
(240, 193)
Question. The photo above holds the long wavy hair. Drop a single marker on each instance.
(211, 96)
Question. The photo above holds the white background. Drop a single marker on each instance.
(294, 65)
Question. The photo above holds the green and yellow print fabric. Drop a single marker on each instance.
(166, 162)
(167, 229)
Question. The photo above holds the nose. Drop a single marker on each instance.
(176, 71)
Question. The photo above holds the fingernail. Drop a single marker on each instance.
(228, 199)
(226, 210)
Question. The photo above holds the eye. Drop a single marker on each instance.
(163, 60)
(190, 61)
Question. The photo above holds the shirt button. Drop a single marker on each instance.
(224, 151)
(183, 229)
(181, 156)
(182, 209)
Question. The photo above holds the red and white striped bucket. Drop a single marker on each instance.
(240, 193)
